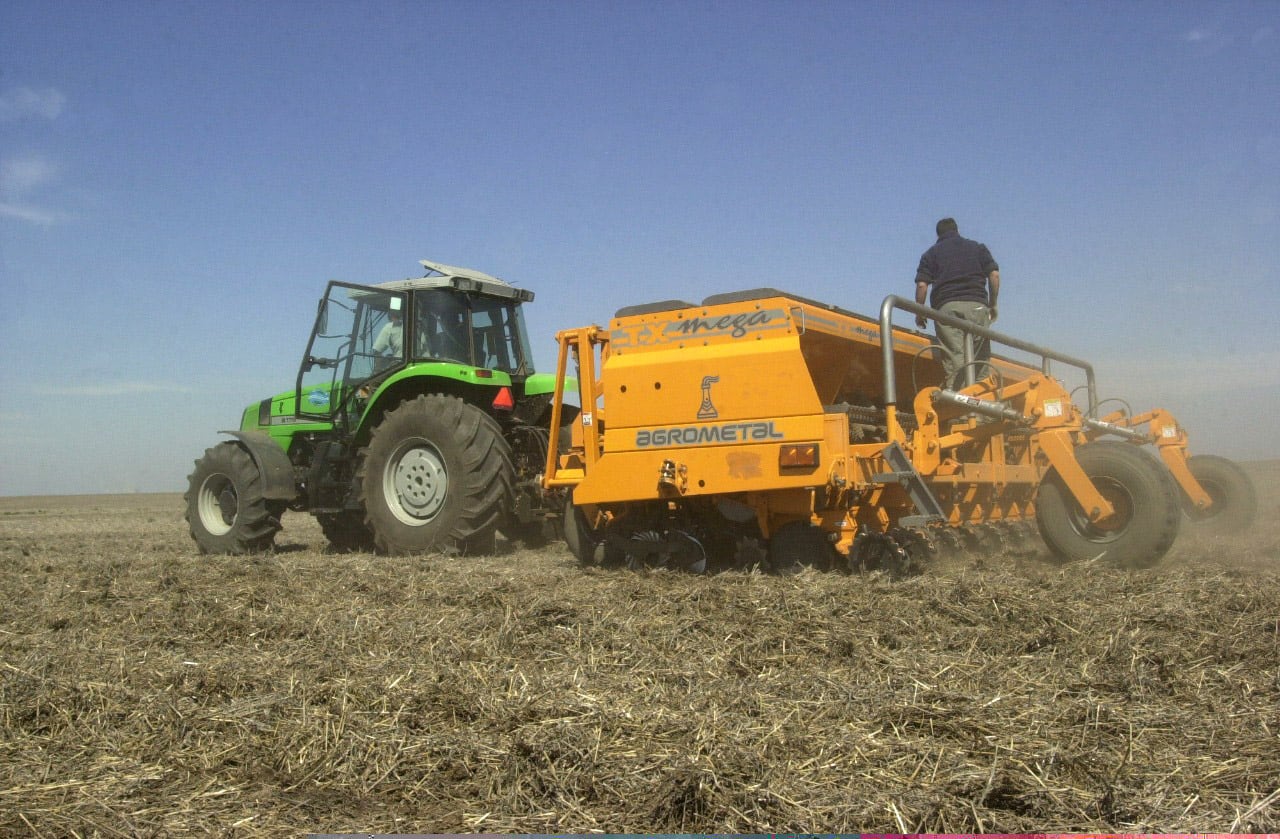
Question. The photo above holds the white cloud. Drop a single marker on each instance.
(111, 389)
(22, 102)
(32, 214)
(1206, 41)
(21, 176)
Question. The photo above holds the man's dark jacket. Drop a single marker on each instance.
(957, 269)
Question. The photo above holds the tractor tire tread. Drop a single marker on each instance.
(1153, 526)
(480, 477)
(256, 521)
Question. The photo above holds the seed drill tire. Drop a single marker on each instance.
(226, 510)
(1235, 501)
(796, 545)
(437, 476)
(577, 533)
(1146, 504)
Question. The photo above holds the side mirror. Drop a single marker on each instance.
(322, 317)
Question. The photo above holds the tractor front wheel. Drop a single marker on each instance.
(1235, 501)
(436, 476)
(226, 509)
(1146, 517)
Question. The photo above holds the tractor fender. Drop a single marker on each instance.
(539, 383)
(272, 463)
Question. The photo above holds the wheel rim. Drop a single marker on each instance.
(415, 482)
(217, 504)
(1112, 528)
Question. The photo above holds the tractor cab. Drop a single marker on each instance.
(453, 323)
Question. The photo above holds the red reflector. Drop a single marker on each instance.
(484, 374)
(805, 454)
(503, 401)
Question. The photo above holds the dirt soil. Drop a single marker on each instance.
(145, 689)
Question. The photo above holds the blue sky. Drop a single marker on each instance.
(179, 180)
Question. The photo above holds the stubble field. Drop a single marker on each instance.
(147, 690)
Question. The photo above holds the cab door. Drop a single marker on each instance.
(358, 333)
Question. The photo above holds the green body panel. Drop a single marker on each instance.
(449, 370)
(540, 383)
(425, 374)
(285, 421)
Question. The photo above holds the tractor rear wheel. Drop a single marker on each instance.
(1146, 516)
(226, 509)
(436, 476)
(1235, 501)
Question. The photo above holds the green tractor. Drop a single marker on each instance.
(416, 424)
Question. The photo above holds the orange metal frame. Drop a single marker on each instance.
(703, 400)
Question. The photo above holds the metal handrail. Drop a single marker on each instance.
(893, 301)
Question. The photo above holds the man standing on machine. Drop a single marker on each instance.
(966, 284)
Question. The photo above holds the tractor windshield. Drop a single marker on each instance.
(471, 329)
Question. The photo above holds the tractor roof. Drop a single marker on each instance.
(440, 275)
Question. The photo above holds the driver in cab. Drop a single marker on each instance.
(390, 340)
